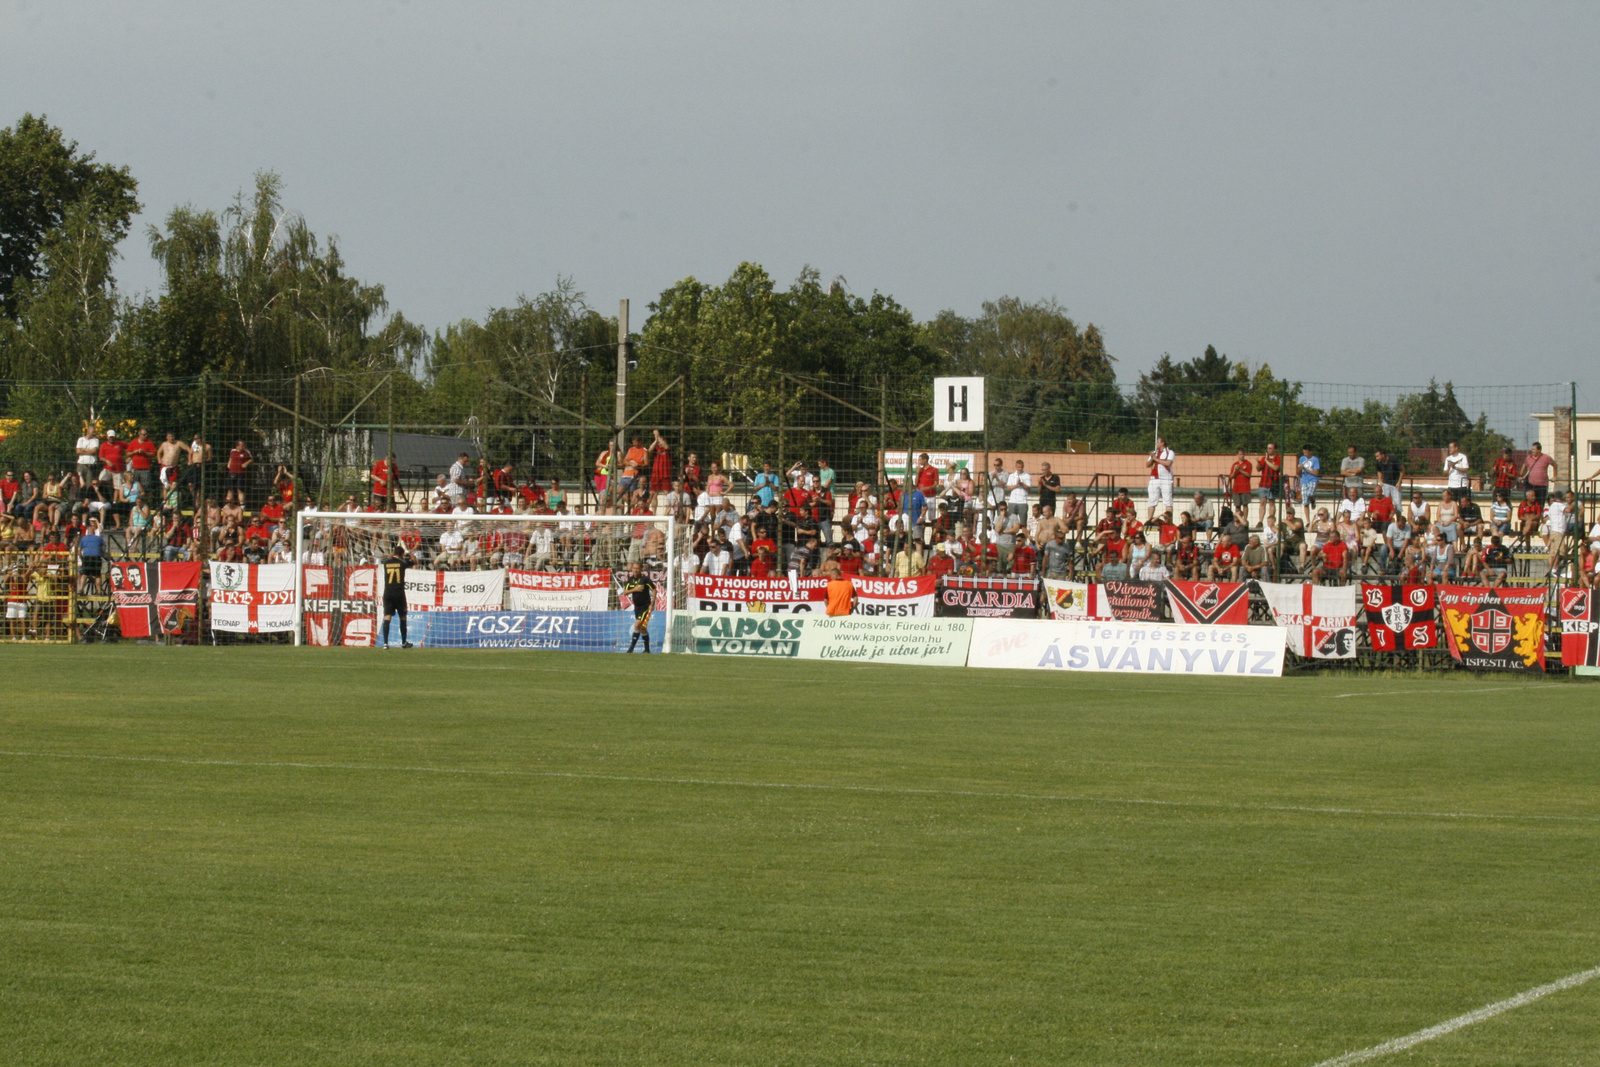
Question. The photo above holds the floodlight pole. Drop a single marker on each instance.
(621, 418)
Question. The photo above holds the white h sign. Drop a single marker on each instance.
(957, 404)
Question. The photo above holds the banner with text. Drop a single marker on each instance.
(1399, 617)
(455, 590)
(1494, 629)
(565, 631)
(153, 599)
(979, 598)
(251, 598)
(707, 593)
(1210, 603)
(894, 596)
(1131, 601)
(865, 639)
(341, 606)
(1321, 620)
(558, 590)
(1580, 634)
(1128, 648)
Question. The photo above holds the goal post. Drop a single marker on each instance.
(486, 580)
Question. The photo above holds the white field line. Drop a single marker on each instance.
(1463, 692)
(1450, 1026)
(819, 787)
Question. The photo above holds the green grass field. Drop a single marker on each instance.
(278, 856)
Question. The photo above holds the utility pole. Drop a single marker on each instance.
(622, 397)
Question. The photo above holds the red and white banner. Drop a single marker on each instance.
(991, 598)
(1580, 639)
(248, 598)
(1072, 601)
(894, 596)
(558, 590)
(455, 590)
(1321, 620)
(1210, 603)
(341, 606)
(709, 593)
(154, 598)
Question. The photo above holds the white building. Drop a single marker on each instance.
(1558, 429)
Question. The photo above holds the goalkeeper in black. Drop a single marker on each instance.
(640, 594)
(394, 591)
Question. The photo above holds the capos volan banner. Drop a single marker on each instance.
(988, 598)
(1128, 648)
(707, 593)
(455, 590)
(864, 639)
(341, 606)
(1494, 629)
(1400, 618)
(249, 598)
(894, 596)
(154, 598)
(558, 590)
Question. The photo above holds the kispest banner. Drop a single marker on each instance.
(154, 598)
(1210, 603)
(1580, 643)
(1321, 620)
(455, 590)
(1494, 629)
(980, 598)
(707, 593)
(558, 590)
(251, 598)
(894, 596)
(1128, 648)
(1400, 618)
(341, 606)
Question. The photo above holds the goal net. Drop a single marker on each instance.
(486, 581)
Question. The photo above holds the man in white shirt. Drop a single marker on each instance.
(88, 450)
(1456, 465)
(1556, 513)
(1395, 539)
(1159, 491)
(1018, 482)
(1352, 505)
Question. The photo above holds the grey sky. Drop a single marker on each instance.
(1350, 192)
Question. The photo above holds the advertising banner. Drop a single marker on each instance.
(1129, 648)
(567, 631)
(154, 598)
(980, 598)
(455, 590)
(1321, 620)
(1131, 601)
(1494, 629)
(1210, 603)
(1400, 617)
(864, 639)
(250, 598)
(1580, 643)
(341, 606)
(707, 593)
(895, 596)
(558, 590)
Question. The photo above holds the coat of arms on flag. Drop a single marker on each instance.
(1580, 641)
(1400, 617)
(1210, 603)
(1498, 629)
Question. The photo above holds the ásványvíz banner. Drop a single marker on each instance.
(1128, 648)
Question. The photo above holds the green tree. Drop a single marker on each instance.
(42, 177)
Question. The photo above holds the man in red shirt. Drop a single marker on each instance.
(239, 460)
(1333, 560)
(142, 460)
(1023, 556)
(849, 559)
(1239, 480)
(533, 493)
(797, 500)
(1122, 505)
(927, 476)
(1186, 558)
(113, 453)
(503, 479)
(1381, 510)
(380, 484)
(1225, 561)
(1505, 470)
(8, 490)
(1270, 467)
(272, 510)
(940, 563)
(261, 528)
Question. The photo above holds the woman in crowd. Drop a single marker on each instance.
(1448, 524)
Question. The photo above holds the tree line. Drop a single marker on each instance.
(252, 294)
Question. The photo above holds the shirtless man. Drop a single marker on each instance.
(168, 453)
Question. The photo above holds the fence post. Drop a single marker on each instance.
(388, 459)
(294, 448)
(200, 506)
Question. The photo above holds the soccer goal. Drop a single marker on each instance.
(486, 581)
